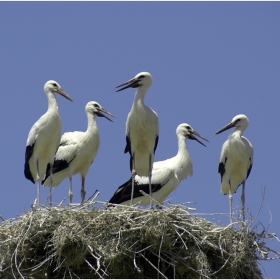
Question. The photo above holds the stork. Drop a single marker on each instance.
(166, 175)
(236, 160)
(77, 151)
(141, 130)
(43, 139)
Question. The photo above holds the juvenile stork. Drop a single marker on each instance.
(77, 151)
(166, 175)
(43, 139)
(141, 130)
(236, 160)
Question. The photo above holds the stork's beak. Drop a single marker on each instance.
(130, 83)
(192, 137)
(63, 93)
(100, 114)
(226, 127)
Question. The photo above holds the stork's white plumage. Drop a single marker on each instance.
(166, 175)
(236, 160)
(77, 151)
(141, 130)
(43, 138)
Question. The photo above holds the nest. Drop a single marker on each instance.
(125, 242)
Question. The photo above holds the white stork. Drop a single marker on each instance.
(77, 151)
(236, 160)
(166, 175)
(141, 130)
(43, 139)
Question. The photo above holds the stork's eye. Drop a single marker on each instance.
(96, 105)
(188, 128)
(238, 120)
(142, 76)
(54, 84)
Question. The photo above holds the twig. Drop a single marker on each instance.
(159, 251)
(14, 255)
(134, 262)
(153, 266)
(93, 196)
(93, 268)
(61, 202)
(43, 262)
(155, 201)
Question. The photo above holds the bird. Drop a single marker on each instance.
(77, 151)
(236, 160)
(166, 175)
(142, 130)
(43, 139)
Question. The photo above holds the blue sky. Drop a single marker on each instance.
(209, 60)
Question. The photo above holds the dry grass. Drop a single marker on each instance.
(125, 242)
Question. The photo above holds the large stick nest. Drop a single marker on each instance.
(124, 242)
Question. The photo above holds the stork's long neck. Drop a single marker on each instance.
(92, 125)
(52, 104)
(140, 96)
(236, 143)
(237, 132)
(182, 146)
(183, 160)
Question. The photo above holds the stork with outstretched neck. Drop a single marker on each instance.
(142, 130)
(236, 160)
(77, 151)
(43, 139)
(166, 175)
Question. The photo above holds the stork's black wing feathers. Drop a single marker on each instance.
(123, 193)
(250, 168)
(128, 150)
(28, 155)
(117, 196)
(58, 166)
(222, 169)
(156, 143)
(128, 146)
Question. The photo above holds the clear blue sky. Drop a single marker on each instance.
(209, 62)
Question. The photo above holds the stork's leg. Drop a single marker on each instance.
(243, 201)
(51, 183)
(70, 189)
(150, 179)
(38, 183)
(38, 192)
(230, 202)
(133, 178)
(83, 193)
(51, 189)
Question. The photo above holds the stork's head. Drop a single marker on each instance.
(240, 121)
(142, 79)
(54, 87)
(188, 132)
(96, 109)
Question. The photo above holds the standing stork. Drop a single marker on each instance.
(77, 151)
(236, 160)
(43, 139)
(166, 175)
(141, 130)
